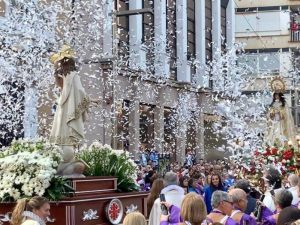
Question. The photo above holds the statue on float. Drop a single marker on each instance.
(279, 117)
(71, 112)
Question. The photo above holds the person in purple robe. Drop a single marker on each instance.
(282, 200)
(239, 198)
(193, 211)
(222, 208)
(245, 186)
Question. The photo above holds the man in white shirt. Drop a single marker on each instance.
(174, 194)
(293, 181)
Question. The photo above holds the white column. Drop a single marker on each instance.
(216, 28)
(160, 36)
(202, 79)
(230, 24)
(137, 54)
(30, 113)
(183, 70)
(108, 29)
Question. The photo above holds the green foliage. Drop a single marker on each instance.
(59, 188)
(104, 161)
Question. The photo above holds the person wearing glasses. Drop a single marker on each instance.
(222, 208)
(240, 200)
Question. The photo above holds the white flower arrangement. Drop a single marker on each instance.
(27, 168)
(105, 161)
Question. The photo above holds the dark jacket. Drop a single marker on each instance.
(251, 205)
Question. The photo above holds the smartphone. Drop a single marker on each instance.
(272, 192)
(262, 198)
(164, 209)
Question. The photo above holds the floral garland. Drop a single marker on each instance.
(27, 168)
(283, 158)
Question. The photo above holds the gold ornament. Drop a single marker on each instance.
(65, 52)
(277, 85)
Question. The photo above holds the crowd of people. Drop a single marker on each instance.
(200, 194)
(215, 193)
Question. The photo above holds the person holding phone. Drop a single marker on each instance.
(193, 212)
(173, 194)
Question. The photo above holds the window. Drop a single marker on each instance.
(148, 32)
(208, 34)
(191, 29)
(123, 28)
(261, 9)
(208, 25)
(261, 62)
(147, 126)
(171, 37)
(223, 27)
(11, 119)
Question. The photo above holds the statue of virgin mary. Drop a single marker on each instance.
(280, 125)
(73, 104)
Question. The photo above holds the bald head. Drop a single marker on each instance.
(239, 198)
(237, 194)
(293, 180)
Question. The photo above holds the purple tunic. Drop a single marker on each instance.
(266, 212)
(269, 221)
(174, 217)
(246, 219)
(229, 221)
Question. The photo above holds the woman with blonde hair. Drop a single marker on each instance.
(155, 190)
(32, 211)
(134, 218)
(193, 211)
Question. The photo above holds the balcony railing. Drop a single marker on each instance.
(295, 35)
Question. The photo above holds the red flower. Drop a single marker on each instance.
(256, 153)
(292, 168)
(288, 154)
(267, 152)
(274, 151)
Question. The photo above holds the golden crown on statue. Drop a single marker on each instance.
(65, 52)
(277, 85)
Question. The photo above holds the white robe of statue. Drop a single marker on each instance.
(280, 125)
(68, 125)
(71, 112)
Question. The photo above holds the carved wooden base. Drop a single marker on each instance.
(87, 206)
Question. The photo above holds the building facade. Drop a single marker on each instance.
(270, 32)
(151, 77)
